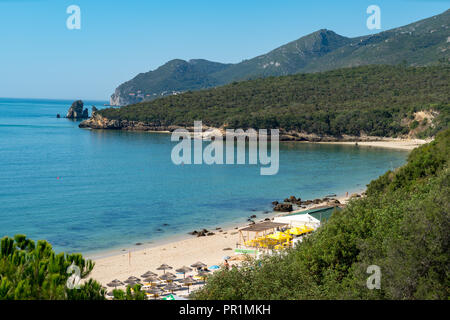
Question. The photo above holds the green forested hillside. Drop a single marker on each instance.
(176, 75)
(373, 100)
(290, 58)
(402, 226)
(421, 43)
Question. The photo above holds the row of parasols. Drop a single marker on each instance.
(157, 285)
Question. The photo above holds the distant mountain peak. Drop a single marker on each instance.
(422, 42)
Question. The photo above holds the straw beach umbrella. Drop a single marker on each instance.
(155, 292)
(172, 287)
(184, 270)
(198, 265)
(189, 281)
(164, 267)
(115, 283)
(135, 279)
(148, 274)
(168, 276)
(132, 281)
(152, 280)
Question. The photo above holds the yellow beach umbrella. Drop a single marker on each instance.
(278, 236)
(296, 231)
(307, 229)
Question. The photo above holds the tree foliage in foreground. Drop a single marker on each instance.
(33, 271)
(30, 270)
(402, 226)
(130, 293)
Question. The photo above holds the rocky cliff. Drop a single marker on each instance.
(97, 121)
(76, 111)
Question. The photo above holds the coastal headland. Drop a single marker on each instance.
(99, 122)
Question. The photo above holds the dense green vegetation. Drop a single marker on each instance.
(402, 226)
(418, 44)
(372, 99)
(175, 75)
(32, 271)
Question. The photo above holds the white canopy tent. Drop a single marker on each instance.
(299, 220)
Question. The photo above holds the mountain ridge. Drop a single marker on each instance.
(424, 42)
(373, 100)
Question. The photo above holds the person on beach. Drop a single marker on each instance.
(227, 265)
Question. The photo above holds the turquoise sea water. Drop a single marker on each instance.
(90, 191)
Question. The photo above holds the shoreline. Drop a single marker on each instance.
(364, 141)
(178, 251)
(167, 240)
(398, 144)
(184, 249)
(99, 122)
(184, 235)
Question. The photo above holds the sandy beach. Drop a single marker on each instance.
(400, 144)
(209, 250)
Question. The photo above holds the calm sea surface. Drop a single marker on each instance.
(92, 191)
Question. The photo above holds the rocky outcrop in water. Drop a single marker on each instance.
(97, 121)
(283, 207)
(76, 111)
(292, 200)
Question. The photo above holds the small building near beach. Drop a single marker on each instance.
(299, 220)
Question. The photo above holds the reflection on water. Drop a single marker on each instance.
(89, 190)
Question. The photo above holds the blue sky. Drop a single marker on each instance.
(41, 58)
